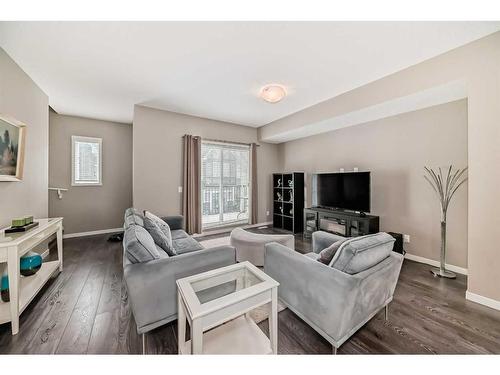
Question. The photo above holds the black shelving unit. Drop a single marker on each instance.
(288, 196)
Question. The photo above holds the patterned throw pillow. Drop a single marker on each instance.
(139, 245)
(160, 231)
(326, 255)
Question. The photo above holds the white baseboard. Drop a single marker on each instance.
(435, 263)
(93, 233)
(230, 228)
(490, 302)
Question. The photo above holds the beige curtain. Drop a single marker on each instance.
(254, 186)
(191, 197)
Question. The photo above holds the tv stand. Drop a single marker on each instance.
(343, 223)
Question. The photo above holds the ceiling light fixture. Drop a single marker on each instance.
(272, 93)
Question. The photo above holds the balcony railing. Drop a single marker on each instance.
(234, 203)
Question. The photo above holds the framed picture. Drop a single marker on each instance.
(12, 142)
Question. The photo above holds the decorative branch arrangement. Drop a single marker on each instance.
(445, 186)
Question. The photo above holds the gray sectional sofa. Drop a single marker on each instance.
(338, 298)
(151, 285)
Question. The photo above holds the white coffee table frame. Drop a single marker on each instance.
(240, 334)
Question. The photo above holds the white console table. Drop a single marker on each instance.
(22, 290)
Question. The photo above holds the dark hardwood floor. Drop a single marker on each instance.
(85, 310)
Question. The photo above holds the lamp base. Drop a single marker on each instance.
(446, 274)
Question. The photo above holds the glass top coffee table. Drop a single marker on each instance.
(216, 304)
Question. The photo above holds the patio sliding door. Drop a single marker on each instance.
(225, 183)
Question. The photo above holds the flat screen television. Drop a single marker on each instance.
(346, 191)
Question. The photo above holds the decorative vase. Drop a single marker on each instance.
(279, 182)
(4, 283)
(445, 187)
(290, 183)
(30, 263)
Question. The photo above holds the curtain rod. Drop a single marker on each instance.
(222, 141)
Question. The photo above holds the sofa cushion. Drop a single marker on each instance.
(160, 232)
(132, 211)
(153, 216)
(312, 255)
(186, 245)
(133, 217)
(360, 253)
(139, 245)
(178, 233)
(326, 255)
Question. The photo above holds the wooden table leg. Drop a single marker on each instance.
(181, 324)
(196, 337)
(60, 247)
(14, 281)
(273, 321)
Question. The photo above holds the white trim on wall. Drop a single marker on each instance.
(435, 263)
(489, 302)
(93, 233)
(117, 230)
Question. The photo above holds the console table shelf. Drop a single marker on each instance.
(22, 290)
(28, 289)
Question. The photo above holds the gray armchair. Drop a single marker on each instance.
(335, 303)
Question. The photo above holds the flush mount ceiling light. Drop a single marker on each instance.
(272, 93)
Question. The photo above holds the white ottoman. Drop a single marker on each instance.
(250, 246)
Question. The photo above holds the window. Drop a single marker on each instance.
(225, 171)
(86, 161)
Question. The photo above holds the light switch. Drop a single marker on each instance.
(180, 189)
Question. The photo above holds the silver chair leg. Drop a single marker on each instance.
(334, 351)
(386, 312)
(143, 343)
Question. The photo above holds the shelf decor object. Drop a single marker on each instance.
(4, 282)
(22, 224)
(445, 187)
(13, 250)
(30, 263)
(288, 196)
(12, 141)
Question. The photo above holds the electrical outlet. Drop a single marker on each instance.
(180, 189)
(406, 238)
(267, 213)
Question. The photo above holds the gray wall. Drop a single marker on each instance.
(395, 150)
(158, 157)
(477, 64)
(23, 100)
(90, 208)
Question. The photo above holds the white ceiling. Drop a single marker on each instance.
(215, 69)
